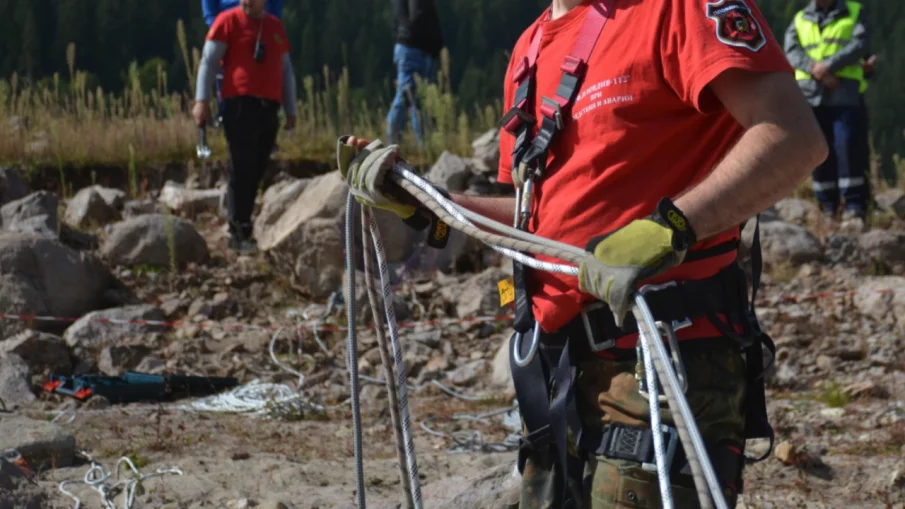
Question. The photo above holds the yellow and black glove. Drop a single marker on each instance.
(366, 174)
(640, 250)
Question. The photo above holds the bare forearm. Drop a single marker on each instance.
(781, 146)
(498, 208)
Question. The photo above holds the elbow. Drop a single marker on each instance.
(812, 146)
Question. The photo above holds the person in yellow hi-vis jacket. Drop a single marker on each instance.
(827, 44)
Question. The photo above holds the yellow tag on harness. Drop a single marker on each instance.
(507, 291)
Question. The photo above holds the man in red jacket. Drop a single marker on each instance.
(649, 131)
(258, 78)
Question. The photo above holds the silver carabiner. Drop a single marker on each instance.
(669, 330)
(532, 349)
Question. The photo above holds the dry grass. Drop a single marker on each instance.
(59, 122)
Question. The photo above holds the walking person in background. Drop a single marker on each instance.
(258, 77)
(211, 9)
(827, 44)
(418, 44)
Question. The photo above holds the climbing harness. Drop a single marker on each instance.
(515, 243)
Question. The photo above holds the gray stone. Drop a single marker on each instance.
(892, 200)
(19, 492)
(798, 211)
(843, 249)
(496, 488)
(43, 277)
(146, 240)
(501, 375)
(190, 202)
(35, 214)
(883, 299)
(42, 444)
(487, 152)
(93, 206)
(884, 246)
(451, 172)
(788, 243)
(15, 389)
(133, 208)
(115, 360)
(93, 332)
(468, 374)
(44, 353)
(478, 295)
(12, 187)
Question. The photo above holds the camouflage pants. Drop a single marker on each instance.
(608, 393)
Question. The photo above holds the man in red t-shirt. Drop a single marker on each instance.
(258, 78)
(686, 122)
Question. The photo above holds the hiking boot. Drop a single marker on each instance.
(242, 245)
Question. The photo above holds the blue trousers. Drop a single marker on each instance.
(844, 173)
(409, 62)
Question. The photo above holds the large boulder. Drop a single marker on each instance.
(190, 202)
(112, 327)
(783, 242)
(94, 206)
(451, 172)
(43, 352)
(36, 214)
(42, 444)
(15, 384)
(884, 246)
(307, 238)
(39, 276)
(12, 187)
(478, 295)
(154, 239)
(487, 152)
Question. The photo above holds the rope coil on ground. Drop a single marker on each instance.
(96, 478)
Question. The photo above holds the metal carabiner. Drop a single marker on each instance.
(521, 361)
(668, 330)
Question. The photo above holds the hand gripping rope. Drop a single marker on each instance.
(514, 244)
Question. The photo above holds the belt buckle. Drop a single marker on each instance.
(589, 332)
(672, 442)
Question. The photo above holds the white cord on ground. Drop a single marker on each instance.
(656, 425)
(286, 367)
(96, 477)
(257, 399)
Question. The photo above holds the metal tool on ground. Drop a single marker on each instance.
(514, 243)
(202, 150)
(134, 386)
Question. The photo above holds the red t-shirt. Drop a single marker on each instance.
(242, 74)
(644, 126)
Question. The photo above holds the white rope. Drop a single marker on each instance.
(96, 478)
(656, 425)
(257, 399)
(286, 367)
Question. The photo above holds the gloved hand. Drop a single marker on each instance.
(640, 250)
(365, 172)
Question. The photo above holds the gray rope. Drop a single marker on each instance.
(385, 359)
(352, 353)
(656, 426)
(410, 458)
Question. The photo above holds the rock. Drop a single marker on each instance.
(786, 453)
(892, 200)
(12, 187)
(496, 488)
(487, 152)
(825, 362)
(883, 299)
(787, 243)
(43, 277)
(884, 246)
(42, 444)
(415, 357)
(93, 332)
(145, 240)
(363, 305)
(133, 208)
(17, 491)
(15, 388)
(115, 360)
(478, 295)
(44, 353)
(190, 202)
(272, 504)
(151, 364)
(843, 249)
(35, 214)
(798, 211)
(277, 198)
(451, 172)
(94, 206)
(865, 389)
(501, 375)
(469, 373)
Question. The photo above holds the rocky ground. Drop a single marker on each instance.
(137, 286)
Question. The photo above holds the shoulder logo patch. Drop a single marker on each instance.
(736, 25)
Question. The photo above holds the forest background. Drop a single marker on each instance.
(107, 81)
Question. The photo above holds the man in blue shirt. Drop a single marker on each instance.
(212, 8)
